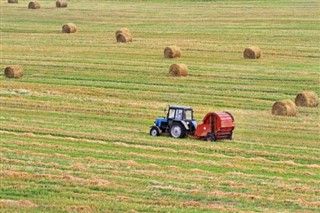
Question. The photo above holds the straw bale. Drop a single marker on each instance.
(178, 70)
(284, 108)
(252, 52)
(15, 71)
(69, 28)
(172, 52)
(307, 99)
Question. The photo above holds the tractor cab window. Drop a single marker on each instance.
(179, 114)
(171, 113)
(189, 115)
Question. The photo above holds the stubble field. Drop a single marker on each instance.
(75, 129)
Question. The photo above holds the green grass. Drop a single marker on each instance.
(74, 129)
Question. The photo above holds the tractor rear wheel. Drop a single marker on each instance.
(177, 130)
(154, 131)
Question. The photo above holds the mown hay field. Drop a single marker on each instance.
(75, 128)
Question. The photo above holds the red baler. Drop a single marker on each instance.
(216, 125)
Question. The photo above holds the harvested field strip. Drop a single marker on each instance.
(135, 90)
(129, 162)
(234, 162)
(192, 146)
(74, 129)
(105, 135)
(74, 134)
(150, 151)
(44, 131)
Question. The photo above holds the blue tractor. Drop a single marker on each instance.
(178, 123)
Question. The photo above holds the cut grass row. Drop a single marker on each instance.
(216, 154)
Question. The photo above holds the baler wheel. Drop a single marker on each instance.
(231, 137)
(210, 137)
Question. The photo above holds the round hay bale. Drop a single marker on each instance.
(172, 52)
(124, 37)
(307, 99)
(34, 5)
(178, 70)
(61, 3)
(69, 28)
(284, 108)
(122, 30)
(12, 1)
(252, 52)
(14, 71)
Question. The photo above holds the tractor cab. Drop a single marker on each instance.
(177, 113)
(178, 123)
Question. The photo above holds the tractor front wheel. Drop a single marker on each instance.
(154, 131)
(177, 130)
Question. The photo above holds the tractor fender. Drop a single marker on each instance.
(185, 125)
(155, 126)
(194, 123)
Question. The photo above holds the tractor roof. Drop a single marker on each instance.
(180, 107)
